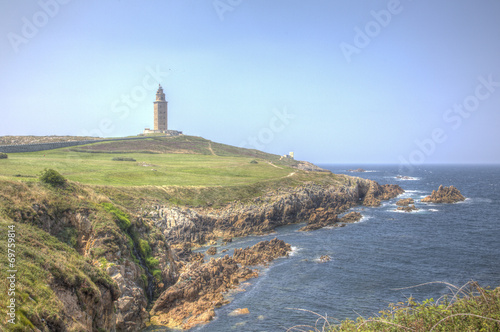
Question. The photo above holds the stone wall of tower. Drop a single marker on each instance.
(161, 115)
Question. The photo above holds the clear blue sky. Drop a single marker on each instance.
(334, 81)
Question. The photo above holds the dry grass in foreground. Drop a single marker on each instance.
(467, 308)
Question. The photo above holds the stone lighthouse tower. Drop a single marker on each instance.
(161, 111)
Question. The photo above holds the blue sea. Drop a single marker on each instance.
(371, 259)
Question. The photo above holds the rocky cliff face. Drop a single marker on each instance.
(118, 308)
(277, 208)
(83, 310)
(444, 195)
(372, 193)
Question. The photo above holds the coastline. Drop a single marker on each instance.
(188, 228)
(154, 243)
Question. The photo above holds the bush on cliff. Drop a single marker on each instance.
(471, 308)
(121, 218)
(52, 177)
(3, 155)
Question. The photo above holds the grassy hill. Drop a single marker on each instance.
(164, 161)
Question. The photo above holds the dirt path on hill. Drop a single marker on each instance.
(270, 163)
(210, 148)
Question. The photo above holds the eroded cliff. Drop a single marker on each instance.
(133, 249)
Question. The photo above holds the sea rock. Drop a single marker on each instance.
(444, 195)
(201, 286)
(407, 208)
(358, 170)
(405, 202)
(262, 253)
(239, 311)
(324, 259)
(211, 251)
(351, 217)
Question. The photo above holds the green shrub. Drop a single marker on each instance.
(254, 162)
(123, 159)
(121, 218)
(52, 177)
(3, 155)
(157, 275)
(152, 262)
(144, 248)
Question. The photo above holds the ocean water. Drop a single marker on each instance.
(386, 250)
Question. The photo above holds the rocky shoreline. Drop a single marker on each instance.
(153, 248)
(202, 285)
(283, 206)
(199, 286)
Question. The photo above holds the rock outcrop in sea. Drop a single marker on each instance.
(201, 286)
(357, 170)
(444, 195)
(325, 218)
(406, 205)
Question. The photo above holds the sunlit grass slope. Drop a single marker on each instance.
(159, 161)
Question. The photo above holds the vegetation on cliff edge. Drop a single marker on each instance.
(66, 237)
(41, 262)
(468, 308)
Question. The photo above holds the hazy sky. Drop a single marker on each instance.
(334, 81)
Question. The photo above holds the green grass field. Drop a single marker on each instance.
(192, 165)
(148, 169)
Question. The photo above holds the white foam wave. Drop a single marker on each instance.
(476, 200)
(402, 211)
(365, 218)
(433, 210)
(406, 178)
(294, 251)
